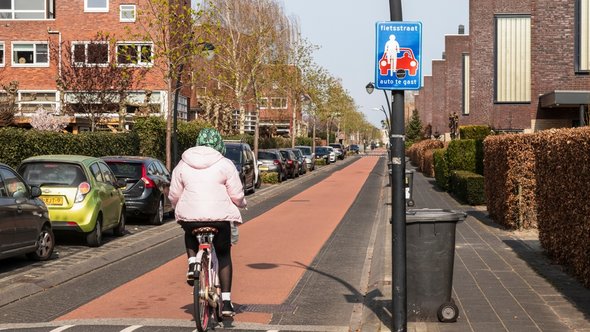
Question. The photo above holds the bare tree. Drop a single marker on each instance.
(8, 105)
(252, 35)
(92, 82)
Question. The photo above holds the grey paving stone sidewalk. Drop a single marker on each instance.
(502, 279)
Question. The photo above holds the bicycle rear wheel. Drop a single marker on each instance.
(201, 308)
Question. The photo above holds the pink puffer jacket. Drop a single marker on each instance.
(206, 187)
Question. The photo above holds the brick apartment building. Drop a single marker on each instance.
(523, 67)
(30, 29)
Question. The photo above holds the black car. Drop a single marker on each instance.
(301, 161)
(147, 183)
(322, 152)
(291, 162)
(24, 221)
(354, 148)
(243, 157)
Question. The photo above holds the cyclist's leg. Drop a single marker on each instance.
(192, 246)
(222, 243)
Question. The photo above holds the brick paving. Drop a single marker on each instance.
(502, 279)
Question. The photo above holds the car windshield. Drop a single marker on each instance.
(50, 173)
(264, 155)
(305, 150)
(125, 170)
(233, 154)
(321, 150)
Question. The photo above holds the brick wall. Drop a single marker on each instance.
(440, 113)
(455, 46)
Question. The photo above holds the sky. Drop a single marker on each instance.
(345, 32)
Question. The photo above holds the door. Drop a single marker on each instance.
(249, 168)
(25, 213)
(7, 216)
(112, 196)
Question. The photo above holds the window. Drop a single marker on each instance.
(513, 59)
(583, 38)
(263, 102)
(278, 102)
(1, 54)
(27, 9)
(127, 13)
(30, 54)
(182, 108)
(96, 5)
(466, 87)
(90, 53)
(107, 174)
(13, 185)
(134, 54)
(95, 170)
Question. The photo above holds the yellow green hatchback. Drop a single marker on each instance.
(81, 193)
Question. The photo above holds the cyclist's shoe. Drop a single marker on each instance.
(190, 275)
(228, 309)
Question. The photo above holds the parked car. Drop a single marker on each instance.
(25, 228)
(243, 157)
(301, 161)
(321, 152)
(332, 154)
(291, 162)
(271, 160)
(147, 183)
(309, 156)
(81, 193)
(339, 149)
(354, 148)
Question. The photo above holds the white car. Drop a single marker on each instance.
(332, 153)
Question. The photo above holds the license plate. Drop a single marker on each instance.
(263, 168)
(52, 200)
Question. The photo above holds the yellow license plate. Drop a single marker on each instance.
(52, 200)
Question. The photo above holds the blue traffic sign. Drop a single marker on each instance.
(398, 56)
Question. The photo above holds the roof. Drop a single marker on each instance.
(62, 158)
(564, 99)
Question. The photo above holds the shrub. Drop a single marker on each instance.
(269, 177)
(320, 162)
(461, 155)
(474, 132)
(441, 169)
(468, 187)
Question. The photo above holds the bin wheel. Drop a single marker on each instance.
(411, 202)
(448, 312)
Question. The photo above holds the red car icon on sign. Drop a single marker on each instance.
(407, 62)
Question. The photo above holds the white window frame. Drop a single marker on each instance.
(88, 9)
(126, 9)
(139, 45)
(583, 39)
(3, 57)
(14, 12)
(512, 59)
(86, 63)
(284, 104)
(15, 62)
(263, 103)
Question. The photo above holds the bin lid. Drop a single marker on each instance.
(434, 215)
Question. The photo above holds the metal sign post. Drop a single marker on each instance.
(398, 68)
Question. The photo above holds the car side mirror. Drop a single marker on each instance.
(35, 191)
(121, 183)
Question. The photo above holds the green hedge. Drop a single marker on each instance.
(18, 144)
(465, 155)
(474, 132)
(270, 177)
(441, 168)
(468, 187)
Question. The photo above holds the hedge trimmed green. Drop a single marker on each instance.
(474, 132)
(468, 187)
(441, 169)
(463, 154)
(18, 144)
(270, 177)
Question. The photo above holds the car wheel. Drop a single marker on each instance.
(119, 230)
(45, 245)
(94, 238)
(158, 217)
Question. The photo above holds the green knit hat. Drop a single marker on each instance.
(210, 137)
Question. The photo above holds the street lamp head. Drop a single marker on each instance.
(370, 87)
(209, 50)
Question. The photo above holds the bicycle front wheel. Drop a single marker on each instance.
(201, 308)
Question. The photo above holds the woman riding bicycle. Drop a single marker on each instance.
(206, 190)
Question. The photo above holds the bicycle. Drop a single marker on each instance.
(206, 287)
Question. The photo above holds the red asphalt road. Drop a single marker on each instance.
(270, 258)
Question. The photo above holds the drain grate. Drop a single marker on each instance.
(268, 308)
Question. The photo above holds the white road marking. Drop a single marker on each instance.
(62, 328)
(131, 328)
